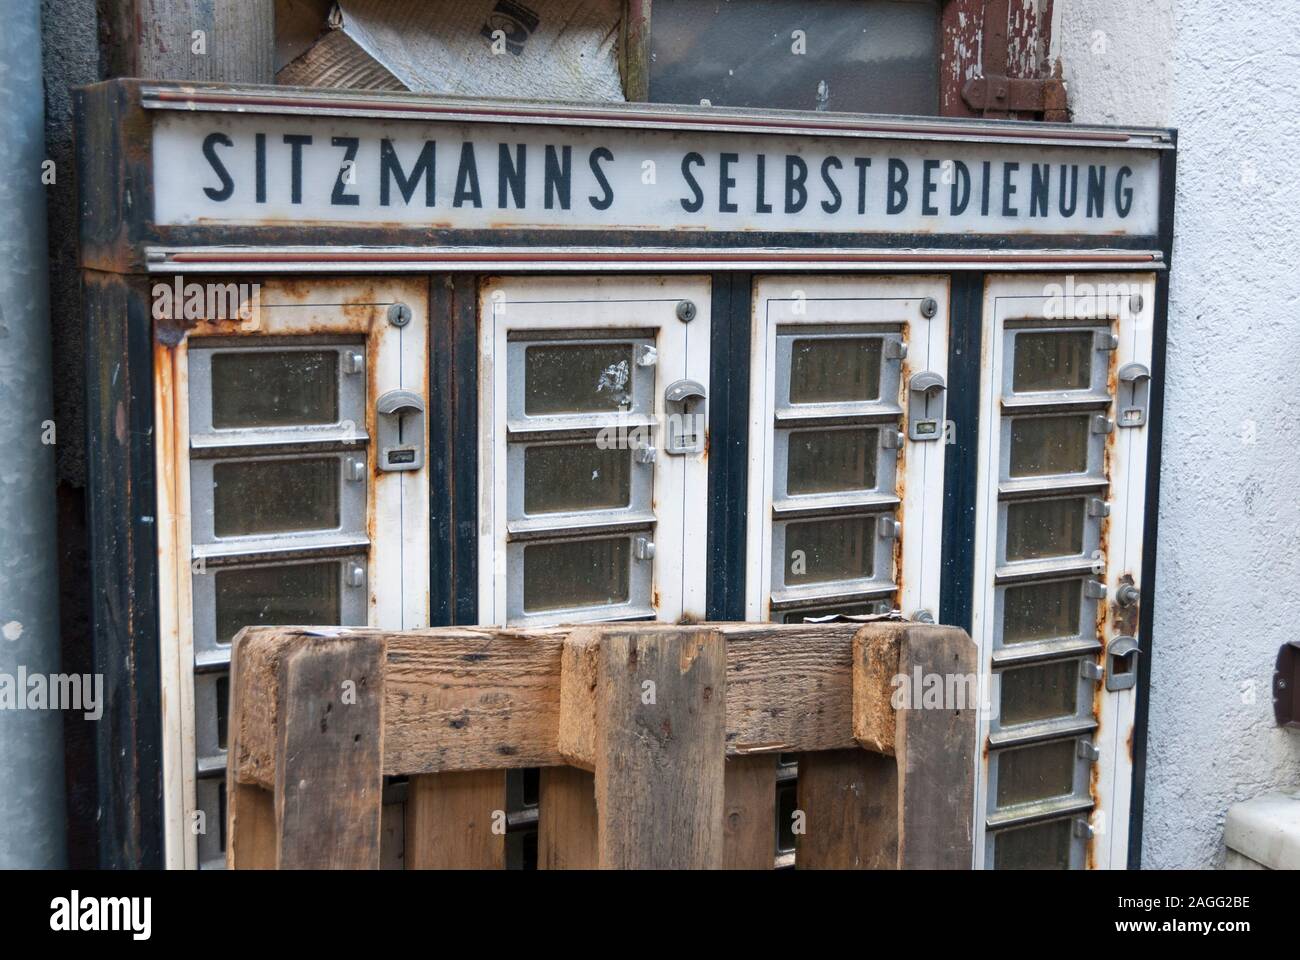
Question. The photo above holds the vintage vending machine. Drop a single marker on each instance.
(380, 358)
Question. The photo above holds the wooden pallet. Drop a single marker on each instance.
(657, 743)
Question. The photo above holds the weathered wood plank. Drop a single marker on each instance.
(849, 802)
(566, 819)
(465, 698)
(329, 757)
(659, 708)
(250, 827)
(935, 747)
(456, 821)
(749, 815)
(789, 688)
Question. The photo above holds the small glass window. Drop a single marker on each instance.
(275, 496)
(835, 369)
(274, 388)
(1040, 692)
(831, 461)
(1044, 446)
(577, 378)
(1026, 774)
(1041, 611)
(1045, 528)
(1039, 846)
(568, 477)
(577, 573)
(1053, 360)
(840, 548)
(287, 594)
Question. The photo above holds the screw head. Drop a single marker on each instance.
(685, 311)
(929, 307)
(399, 314)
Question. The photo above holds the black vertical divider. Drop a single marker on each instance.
(441, 455)
(728, 445)
(464, 442)
(961, 458)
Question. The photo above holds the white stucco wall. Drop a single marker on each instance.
(1228, 576)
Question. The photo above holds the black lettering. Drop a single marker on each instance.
(390, 171)
(984, 188)
(340, 197)
(210, 152)
(607, 192)
(862, 163)
(558, 176)
(960, 178)
(1040, 174)
(511, 173)
(834, 205)
(259, 154)
(928, 187)
(1096, 190)
(692, 159)
(726, 182)
(897, 202)
(467, 178)
(296, 142)
(1009, 189)
(1068, 210)
(796, 175)
(1123, 194)
(760, 202)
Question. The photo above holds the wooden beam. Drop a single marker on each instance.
(329, 782)
(456, 821)
(566, 819)
(229, 41)
(749, 813)
(850, 812)
(657, 713)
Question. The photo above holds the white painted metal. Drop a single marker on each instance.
(1036, 295)
(398, 555)
(787, 301)
(540, 304)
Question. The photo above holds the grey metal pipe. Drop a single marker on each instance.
(32, 825)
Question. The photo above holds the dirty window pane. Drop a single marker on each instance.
(851, 610)
(294, 594)
(1040, 692)
(572, 476)
(576, 573)
(859, 56)
(275, 496)
(223, 711)
(1044, 528)
(835, 370)
(1040, 846)
(1041, 611)
(1052, 361)
(829, 461)
(275, 388)
(577, 378)
(842, 548)
(1049, 445)
(1036, 773)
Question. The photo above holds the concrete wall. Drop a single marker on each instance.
(1229, 548)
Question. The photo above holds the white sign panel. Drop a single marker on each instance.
(215, 168)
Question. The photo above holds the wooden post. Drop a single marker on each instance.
(566, 819)
(307, 709)
(749, 815)
(231, 41)
(456, 821)
(644, 706)
(915, 694)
